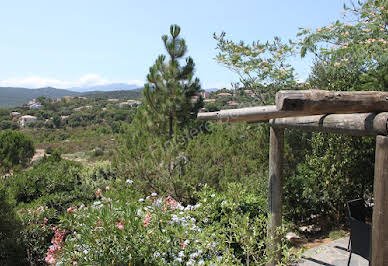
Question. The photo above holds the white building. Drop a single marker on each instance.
(15, 114)
(35, 106)
(27, 119)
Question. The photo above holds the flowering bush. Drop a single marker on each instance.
(227, 228)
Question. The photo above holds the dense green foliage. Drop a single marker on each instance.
(16, 149)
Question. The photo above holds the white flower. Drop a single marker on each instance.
(154, 194)
(141, 200)
(212, 195)
(156, 254)
(190, 262)
(181, 254)
(129, 181)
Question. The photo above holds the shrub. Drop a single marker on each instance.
(119, 229)
(231, 153)
(43, 194)
(16, 149)
(11, 250)
(339, 168)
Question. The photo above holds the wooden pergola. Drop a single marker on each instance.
(362, 113)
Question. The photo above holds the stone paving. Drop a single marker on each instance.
(333, 253)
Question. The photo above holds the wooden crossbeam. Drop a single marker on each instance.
(324, 102)
(306, 103)
(249, 114)
(363, 124)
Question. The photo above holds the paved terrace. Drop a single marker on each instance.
(332, 253)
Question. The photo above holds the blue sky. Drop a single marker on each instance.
(88, 42)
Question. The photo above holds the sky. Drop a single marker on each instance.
(80, 43)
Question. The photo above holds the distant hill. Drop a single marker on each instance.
(10, 96)
(133, 94)
(107, 87)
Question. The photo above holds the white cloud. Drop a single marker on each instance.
(85, 81)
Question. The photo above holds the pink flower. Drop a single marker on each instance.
(56, 245)
(107, 188)
(147, 219)
(74, 263)
(50, 259)
(120, 226)
(44, 222)
(170, 202)
(71, 209)
(99, 193)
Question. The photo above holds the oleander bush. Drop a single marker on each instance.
(121, 229)
(36, 198)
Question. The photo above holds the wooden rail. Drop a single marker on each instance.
(364, 124)
(332, 102)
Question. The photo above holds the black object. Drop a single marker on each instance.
(360, 232)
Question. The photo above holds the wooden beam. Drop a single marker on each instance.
(364, 124)
(324, 102)
(380, 210)
(249, 114)
(275, 191)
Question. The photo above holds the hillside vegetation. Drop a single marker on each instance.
(13, 97)
(127, 182)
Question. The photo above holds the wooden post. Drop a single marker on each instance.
(275, 190)
(380, 210)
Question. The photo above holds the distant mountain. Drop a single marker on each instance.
(10, 97)
(107, 87)
(133, 94)
(211, 89)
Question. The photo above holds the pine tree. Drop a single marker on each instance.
(169, 94)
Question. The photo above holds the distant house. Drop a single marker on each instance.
(15, 114)
(82, 97)
(224, 94)
(209, 100)
(204, 94)
(27, 119)
(232, 103)
(35, 106)
(122, 104)
(129, 103)
(250, 92)
(113, 100)
(57, 100)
